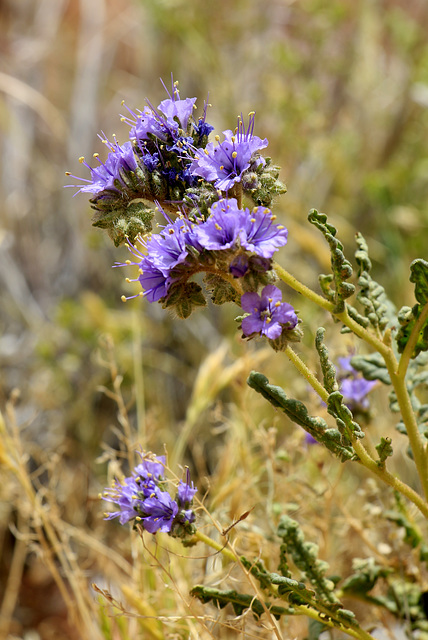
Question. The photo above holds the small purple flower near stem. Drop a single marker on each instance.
(268, 315)
(120, 160)
(142, 497)
(228, 225)
(353, 386)
(225, 163)
(186, 491)
(159, 511)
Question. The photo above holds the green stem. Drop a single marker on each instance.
(304, 610)
(216, 545)
(396, 373)
(350, 631)
(416, 442)
(344, 317)
(364, 457)
(301, 288)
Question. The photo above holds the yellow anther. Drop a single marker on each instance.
(234, 154)
(138, 518)
(140, 271)
(252, 219)
(270, 300)
(96, 155)
(123, 298)
(67, 173)
(280, 226)
(128, 262)
(273, 217)
(217, 226)
(122, 103)
(82, 159)
(141, 294)
(233, 137)
(127, 280)
(252, 113)
(277, 303)
(268, 320)
(221, 167)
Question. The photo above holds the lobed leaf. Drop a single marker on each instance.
(415, 319)
(341, 267)
(298, 413)
(239, 601)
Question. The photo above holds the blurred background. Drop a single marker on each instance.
(341, 92)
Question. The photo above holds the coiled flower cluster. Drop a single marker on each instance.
(214, 199)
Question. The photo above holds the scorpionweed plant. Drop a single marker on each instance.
(215, 200)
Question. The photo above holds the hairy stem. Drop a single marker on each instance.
(396, 372)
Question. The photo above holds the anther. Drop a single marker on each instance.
(234, 154)
(123, 298)
(82, 159)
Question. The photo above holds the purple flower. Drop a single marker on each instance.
(353, 386)
(225, 163)
(142, 497)
(165, 251)
(150, 468)
(186, 491)
(161, 122)
(126, 496)
(159, 511)
(259, 233)
(174, 108)
(268, 315)
(221, 230)
(120, 160)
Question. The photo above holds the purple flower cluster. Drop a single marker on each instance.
(268, 316)
(142, 497)
(180, 249)
(159, 140)
(168, 161)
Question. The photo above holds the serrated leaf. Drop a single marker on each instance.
(408, 318)
(327, 368)
(366, 574)
(378, 309)
(239, 601)
(419, 276)
(298, 413)
(305, 558)
(384, 450)
(335, 406)
(340, 266)
(372, 367)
